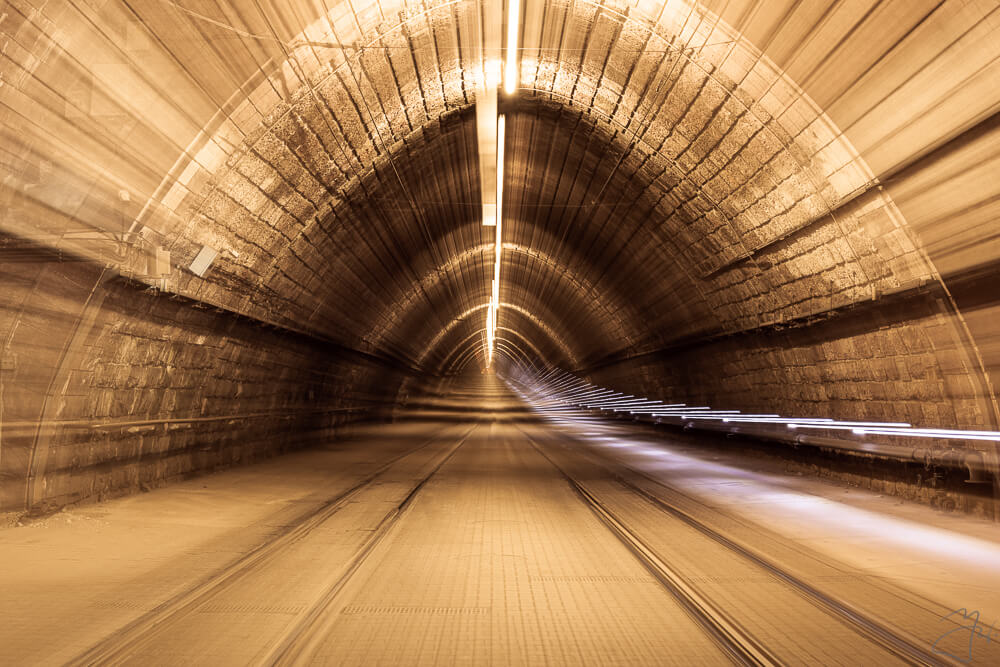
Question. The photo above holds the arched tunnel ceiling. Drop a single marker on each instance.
(667, 179)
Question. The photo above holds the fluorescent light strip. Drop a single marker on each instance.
(778, 419)
(714, 414)
(562, 384)
(679, 410)
(501, 134)
(568, 391)
(620, 406)
(950, 431)
(612, 400)
(580, 390)
(653, 405)
(591, 393)
(767, 419)
(513, 24)
(847, 426)
(589, 401)
(493, 311)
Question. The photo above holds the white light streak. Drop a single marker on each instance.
(714, 414)
(569, 391)
(493, 311)
(510, 69)
(847, 426)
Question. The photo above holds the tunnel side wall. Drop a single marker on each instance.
(925, 352)
(108, 389)
(860, 367)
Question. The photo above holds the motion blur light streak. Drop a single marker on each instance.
(513, 23)
(904, 536)
(930, 433)
(493, 311)
(844, 426)
(548, 395)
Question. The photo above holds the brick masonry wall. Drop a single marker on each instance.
(95, 396)
(857, 367)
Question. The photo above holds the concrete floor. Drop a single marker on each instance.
(481, 532)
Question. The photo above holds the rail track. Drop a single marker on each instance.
(302, 639)
(632, 505)
(729, 634)
(131, 639)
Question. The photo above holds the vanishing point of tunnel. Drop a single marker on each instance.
(496, 332)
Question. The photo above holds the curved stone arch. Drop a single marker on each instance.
(504, 348)
(422, 15)
(178, 175)
(432, 279)
(502, 336)
(473, 351)
(550, 333)
(393, 307)
(540, 315)
(932, 271)
(431, 345)
(461, 349)
(581, 77)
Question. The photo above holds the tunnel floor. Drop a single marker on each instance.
(482, 532)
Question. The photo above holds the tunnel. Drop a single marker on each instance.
(499, 332)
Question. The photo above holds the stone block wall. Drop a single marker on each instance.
(866, 364)
(109, 387)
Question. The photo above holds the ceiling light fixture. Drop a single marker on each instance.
(510, 69)
(492, 311)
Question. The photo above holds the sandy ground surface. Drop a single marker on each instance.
(494, 536)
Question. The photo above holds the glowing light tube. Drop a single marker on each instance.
(493, 311)
(847, 426)
(510, 68)
(575, 391)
